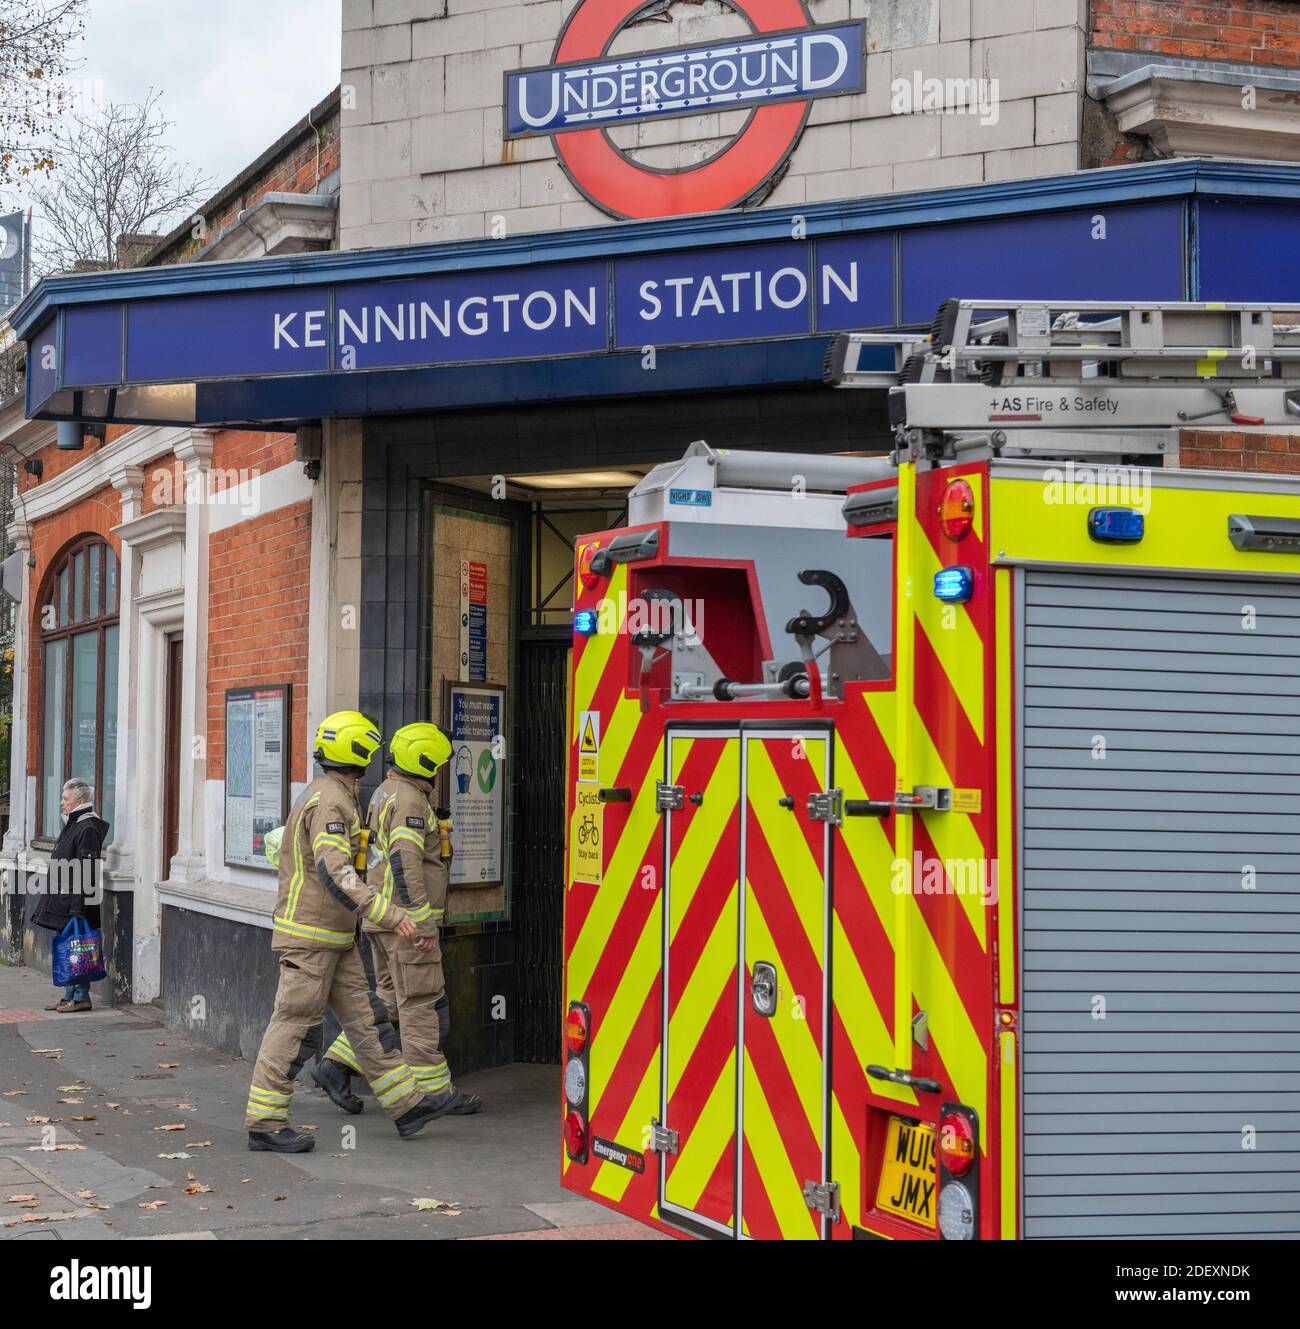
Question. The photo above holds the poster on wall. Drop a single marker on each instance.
(475, 723)
(257, 771)
(473, 621)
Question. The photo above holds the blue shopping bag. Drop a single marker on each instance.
(78, 954)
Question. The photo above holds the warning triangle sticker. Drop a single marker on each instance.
(589, 736)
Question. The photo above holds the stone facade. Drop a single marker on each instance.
(424, 159)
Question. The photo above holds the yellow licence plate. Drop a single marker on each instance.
(907, 1177)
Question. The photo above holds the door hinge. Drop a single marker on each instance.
(669, 797)
(663, 1139)
(827, 807)
(823, 1197)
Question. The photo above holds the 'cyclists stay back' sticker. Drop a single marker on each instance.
(585, 833)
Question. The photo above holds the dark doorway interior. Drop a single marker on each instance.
(538, 860)
(172, 752)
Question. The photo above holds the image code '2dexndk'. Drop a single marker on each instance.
(923, 788)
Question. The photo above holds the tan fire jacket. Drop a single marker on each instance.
(320, 892)
(404, 826)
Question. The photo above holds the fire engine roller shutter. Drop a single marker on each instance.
(1133, 871)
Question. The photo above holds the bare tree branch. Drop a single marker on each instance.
(34, 39)
(115, 176)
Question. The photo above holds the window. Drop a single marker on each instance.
(79, 643)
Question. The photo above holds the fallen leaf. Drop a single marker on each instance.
(159, 1044)
(14, 1093)
(48, 1052)
(197, 1188)
(174, 1126)
(309, 1128)
(169, 1065)
(47, 1218)
(278, 1198)
(151, 1204)
(85, 1119)
(437, 1206)
(54, 1148)
(245, 1180)
(3, 1124)
(184, 1107)
(20, 1199)
(72, 1088)
(85, 1195)
(71, 1102)
(198, 1144)
(175, 1155)
(97, 1206)
(112, 1105)
(38, 1121)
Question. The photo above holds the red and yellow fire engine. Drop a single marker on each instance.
(934, 847)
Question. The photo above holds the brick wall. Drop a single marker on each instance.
(1256, 32)
(1240, 450)
(312, 158)
(259, 586)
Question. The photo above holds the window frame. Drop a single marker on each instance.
(98, 625)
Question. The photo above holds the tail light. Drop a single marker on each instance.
(589, 579)
(577, 1080)
(575, 1135)
(576, 1030)
(957, 509)
(956, 1144)
(958, 1157)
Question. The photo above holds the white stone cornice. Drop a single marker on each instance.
(20, 534)
(159, 527)
(95, 471)
(194, 449)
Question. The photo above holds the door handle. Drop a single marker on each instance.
(697, 798)
(762, 989)
(786, 802)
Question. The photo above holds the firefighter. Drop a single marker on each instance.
(412, 838)
(314, 931)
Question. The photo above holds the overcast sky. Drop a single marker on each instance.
(234, 74)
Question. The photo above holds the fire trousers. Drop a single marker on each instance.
(411, 987)
(309, 981)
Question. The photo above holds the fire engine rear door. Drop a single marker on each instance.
(700, 920)
(784, 921)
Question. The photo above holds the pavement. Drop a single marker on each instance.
(114, 1127)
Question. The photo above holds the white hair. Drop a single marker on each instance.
(83, 789)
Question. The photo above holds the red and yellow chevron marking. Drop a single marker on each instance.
(702, 922)
(941, 963)
(785, 904)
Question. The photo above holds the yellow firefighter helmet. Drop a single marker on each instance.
(347, 741)
(420, 749)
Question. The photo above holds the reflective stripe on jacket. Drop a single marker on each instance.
(321, 895)
(405, 827)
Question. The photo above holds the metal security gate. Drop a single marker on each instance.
(538, 857)
(1161, 906)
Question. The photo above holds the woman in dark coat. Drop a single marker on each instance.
(73, 886)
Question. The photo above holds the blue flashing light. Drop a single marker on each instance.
(1116, 526)
(584, 622)
(954, 586)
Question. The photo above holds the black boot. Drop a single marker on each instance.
(336, 1081)
(468, 1105)
(429, 1108)
(284, 1141)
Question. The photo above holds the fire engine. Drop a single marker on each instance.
(934, 834)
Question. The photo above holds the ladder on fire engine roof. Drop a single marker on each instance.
(1100, 379)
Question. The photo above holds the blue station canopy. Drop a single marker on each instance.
(730, 300)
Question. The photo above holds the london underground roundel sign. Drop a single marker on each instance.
(774, 74)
